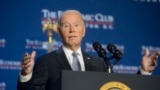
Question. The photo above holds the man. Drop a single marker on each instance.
(47, 70)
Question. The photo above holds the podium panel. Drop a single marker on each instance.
(73, 80)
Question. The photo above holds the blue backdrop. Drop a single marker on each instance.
(132, 25)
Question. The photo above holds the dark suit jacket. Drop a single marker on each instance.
(48, 68)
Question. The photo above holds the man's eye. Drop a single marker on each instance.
(77, 25)
(65, 25)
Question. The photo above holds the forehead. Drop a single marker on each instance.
(71, 16)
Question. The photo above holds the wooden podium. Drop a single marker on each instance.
(72, 80)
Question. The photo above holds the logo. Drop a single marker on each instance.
(148, 1)
(10, 65)
(2, 43)
(125, 69)
(2, 86)
(114, 86)
(93, 21)
(41, 45)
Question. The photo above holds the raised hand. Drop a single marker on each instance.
(27, 63)
(149, 61)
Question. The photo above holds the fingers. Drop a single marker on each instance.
(155, 56)
(147, 53)
(153, 63)
(33, 54)
(26, 66)
(26, 59)
(27, 63)
(154, 59)
(158, 53)
(150, 60)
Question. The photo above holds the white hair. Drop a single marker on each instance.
(69, 11)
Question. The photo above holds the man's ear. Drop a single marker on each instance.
(59, 32)
(84, 31)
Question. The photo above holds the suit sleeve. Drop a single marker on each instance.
(39, 77)
(142, 72)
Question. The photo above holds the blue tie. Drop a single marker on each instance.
(75, 64)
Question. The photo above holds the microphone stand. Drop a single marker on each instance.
(109, 67)
(102, 53)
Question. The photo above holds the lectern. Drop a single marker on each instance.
(74, 80)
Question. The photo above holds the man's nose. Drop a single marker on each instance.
(72, 28)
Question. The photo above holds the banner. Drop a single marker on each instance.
(132, 25)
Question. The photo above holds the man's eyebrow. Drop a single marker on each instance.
(61, 23)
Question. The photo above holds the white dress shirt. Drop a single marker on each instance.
(69, 56)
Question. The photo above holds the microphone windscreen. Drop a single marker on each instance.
(97, 46)
(118, 54)
(111, 48)
(101, 53)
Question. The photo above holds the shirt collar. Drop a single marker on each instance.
(69, 52)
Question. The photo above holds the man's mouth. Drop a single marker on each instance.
(72, 36)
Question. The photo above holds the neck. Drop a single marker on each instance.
(73, 48)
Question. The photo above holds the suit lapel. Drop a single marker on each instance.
(63, 60)
(65, 64)
(87, 61)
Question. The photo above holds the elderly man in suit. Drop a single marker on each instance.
(45, 74)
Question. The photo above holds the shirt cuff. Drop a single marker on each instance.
(25, 78)
(144, 72)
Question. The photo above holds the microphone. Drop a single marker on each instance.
(115, 52)
(97, 46)
(111, 48)
(101, 52)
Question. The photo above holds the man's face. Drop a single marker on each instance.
(71, 29)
